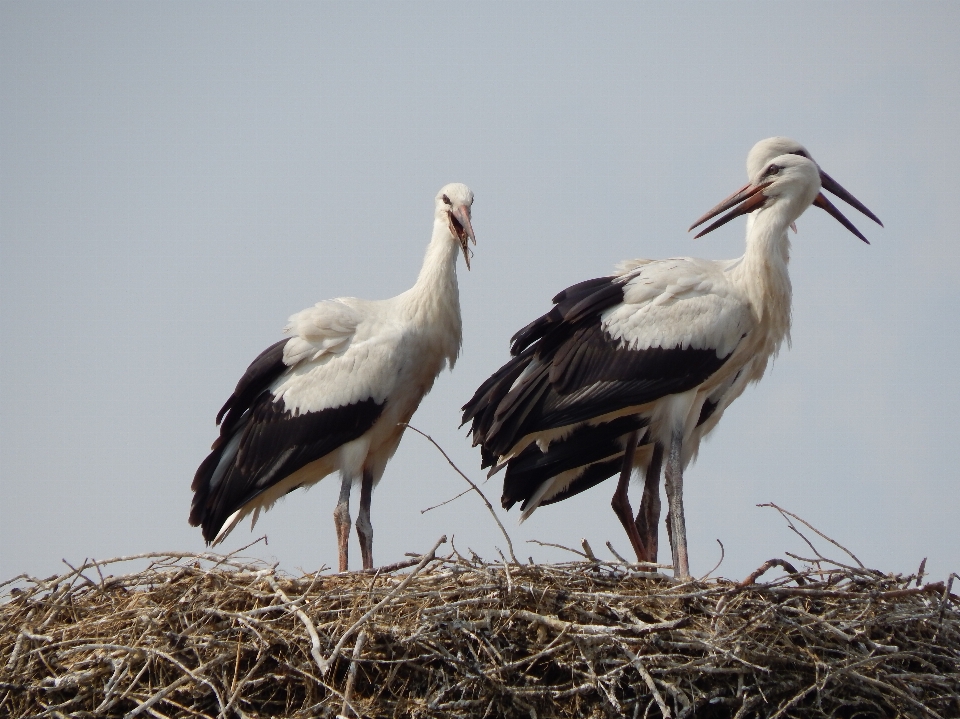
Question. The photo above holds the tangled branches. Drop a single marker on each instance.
(210, 636)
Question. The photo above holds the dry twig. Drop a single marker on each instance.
(208, 636)
(473, 486)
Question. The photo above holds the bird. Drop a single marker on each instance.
(336, 393)
(628, 370)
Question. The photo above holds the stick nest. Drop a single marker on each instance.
(211, 636)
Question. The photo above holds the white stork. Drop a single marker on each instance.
(335, 395)
(628, 368)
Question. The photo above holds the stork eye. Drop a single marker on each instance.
(772, 170)
(447, 200)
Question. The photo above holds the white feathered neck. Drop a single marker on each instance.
(763, 272)
(433, 303)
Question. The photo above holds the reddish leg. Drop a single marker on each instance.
(649, 515)
(621, 503)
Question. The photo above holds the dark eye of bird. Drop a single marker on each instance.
(447, 200)
(772, 170)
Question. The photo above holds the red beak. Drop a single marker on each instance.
(749, 198)
(752, 197)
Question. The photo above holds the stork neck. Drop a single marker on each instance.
(434, 300)
(763, 271)
(439, 270)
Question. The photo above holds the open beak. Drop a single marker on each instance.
(462, 229)
(745, 200)
(831, 185)
(752, 197)
(824, 204)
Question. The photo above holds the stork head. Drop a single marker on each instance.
(765, 150)
(759, 161)
(453, 205)
(791, 181)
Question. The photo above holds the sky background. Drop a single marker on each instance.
(176, 179)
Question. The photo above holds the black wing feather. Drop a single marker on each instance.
(591, 375)
(482, 406)
(259, 375)
(274, 443)
(594, 295)
(585, 445)
(565, 301)
(566, 369)
(270, 442)
(591, 477)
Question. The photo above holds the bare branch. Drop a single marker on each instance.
(819, 533)
(513, 557)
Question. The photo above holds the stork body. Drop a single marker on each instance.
(634, 369)
(335, 395)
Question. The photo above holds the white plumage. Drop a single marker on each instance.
(686, 303)
(336, 394)
(628, 368)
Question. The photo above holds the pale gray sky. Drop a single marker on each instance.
(176, 179)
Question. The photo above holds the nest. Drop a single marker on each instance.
(215, 636)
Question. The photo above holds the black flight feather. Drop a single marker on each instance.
(591, 477)
(585, 445)
(273, 444)
(567, 369)
(261, 443)
(259, 375)
(591, 375)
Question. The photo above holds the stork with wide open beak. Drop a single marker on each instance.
(632, 370)
(753, 198)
